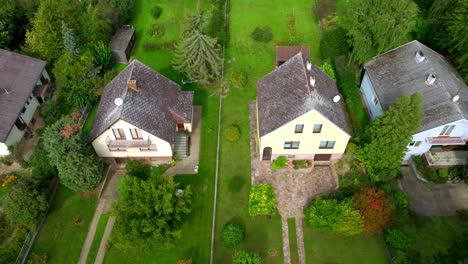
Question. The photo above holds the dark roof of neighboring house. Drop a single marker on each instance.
(286, 94)
(284, 53)
(121, 38)
(397, 72)
(155, 107)
(18, 77)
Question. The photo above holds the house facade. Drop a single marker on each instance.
(411, 68)
(142, 115)
(300, 114)
(23, 88)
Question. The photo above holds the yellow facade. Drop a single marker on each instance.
(309, 141)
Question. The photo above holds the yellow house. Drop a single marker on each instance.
(142, 115)
(300, 113)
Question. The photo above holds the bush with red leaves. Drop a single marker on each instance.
(376, 208)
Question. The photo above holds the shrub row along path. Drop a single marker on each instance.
(109, 194)
(294, 189)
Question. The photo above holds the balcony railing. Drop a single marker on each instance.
(446, 140)
(448, 158)
(143, 143)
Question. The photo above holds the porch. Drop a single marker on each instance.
(437, 157)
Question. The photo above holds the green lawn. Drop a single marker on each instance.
(358, 249)
(60, 238)
(89, 121)
(101, 227)
(293, 241)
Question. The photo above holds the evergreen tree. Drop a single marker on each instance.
(70, 40)
(197, 55)
(386, 139)
(6, 23)
(375, 26)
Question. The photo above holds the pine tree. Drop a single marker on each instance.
(386, 139)
(197, 55)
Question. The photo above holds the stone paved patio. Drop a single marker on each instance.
(294, 189)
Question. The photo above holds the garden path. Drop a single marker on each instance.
(294, 189)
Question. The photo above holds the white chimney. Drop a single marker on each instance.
(309, 65)
(431, 78)
(312, 81)
(419, 57)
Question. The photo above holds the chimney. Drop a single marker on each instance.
(312, 81)
(430, 80)
(309, 65)
(419, 57)
(132, 84)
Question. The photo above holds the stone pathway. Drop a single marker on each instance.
(109, 194)
(294, 189)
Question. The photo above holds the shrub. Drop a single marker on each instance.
(262, 34)
(242, 257)
(238, 79)
(157, 30)
(333, 43)
(460, 172)
(279, 163)
(37, 259)
(137, 169)
(25, 207)
(232, 235)
(7, 254)
(102, 55)
(401, 199)
(332, 216)
(262, 200)
(232, 133)
(376, 208)
(6, 160)
(156, 11)
(397, 239)
(327, 68)
(236, 184)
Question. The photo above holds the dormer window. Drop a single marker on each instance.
(431, 78)
(419, 57)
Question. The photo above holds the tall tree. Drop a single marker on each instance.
(45, 38)
(94, 25)
(376, 209)
(149, 212)
(197, 55)
(386, 139)
(78, 166)
(7, 23)
(375, 26)
(25, 206)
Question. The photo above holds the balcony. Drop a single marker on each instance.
(121, 145)
(446, 158)
(446, 140)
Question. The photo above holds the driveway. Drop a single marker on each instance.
(434, 199)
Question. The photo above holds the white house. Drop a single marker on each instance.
(410, 68)
(23, 87)
(299, 110)
(142, 115)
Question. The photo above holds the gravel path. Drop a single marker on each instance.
(285, 236)
(300, 240)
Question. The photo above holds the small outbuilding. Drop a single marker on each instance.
(122, 44)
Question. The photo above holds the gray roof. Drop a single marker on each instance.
(155, 107)
(397, 72)
(18, 77)
(286, 94)
(121, 38)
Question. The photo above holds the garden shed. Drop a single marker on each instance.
(122, 43)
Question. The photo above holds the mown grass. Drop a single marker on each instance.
(101, 227)
(60, 237)
(293, 240)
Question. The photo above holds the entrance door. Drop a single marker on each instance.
(180, 127)
(120, 160)
(322, 157)
(266, 153)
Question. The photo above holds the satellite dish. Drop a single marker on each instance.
(336, 99)
(456, 98)
(118, 101)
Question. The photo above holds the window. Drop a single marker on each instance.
(24, 110)
(119, 133)
(327, 144)
(299, 128)
(317, 128)
(376, 100)
(20, 124)
(136, 133)
(415, 143)
(291, 145)
(447, 130)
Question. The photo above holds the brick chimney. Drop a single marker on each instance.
(132, 84)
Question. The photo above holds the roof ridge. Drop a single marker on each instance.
(390, 50)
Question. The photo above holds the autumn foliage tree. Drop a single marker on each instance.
(376, 209)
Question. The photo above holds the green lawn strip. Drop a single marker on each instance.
(433, 235)
(293, 240)
(89, 121)
(320, 248)
(347, 80)
(60, 237)
(101, 227)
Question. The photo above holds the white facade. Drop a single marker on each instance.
(309, 142)
(160, 148)
(460, 130)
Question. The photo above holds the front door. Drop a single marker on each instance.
(322, 157)
(180, 127)
(266, 153)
